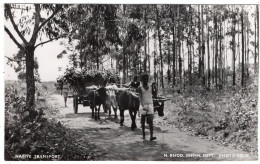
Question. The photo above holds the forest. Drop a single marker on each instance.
(178, 45)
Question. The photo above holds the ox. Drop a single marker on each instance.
(158, 105)
(128, 100)
(158, 102)
(111, 100)
(96, 98)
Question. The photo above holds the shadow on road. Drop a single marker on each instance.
(124, 144)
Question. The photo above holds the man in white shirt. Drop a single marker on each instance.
(146, 101)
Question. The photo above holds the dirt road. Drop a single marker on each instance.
(120, 143)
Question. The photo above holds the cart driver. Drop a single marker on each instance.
(65, 92)
(135, 83)
(146, 102)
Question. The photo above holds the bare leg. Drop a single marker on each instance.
(92, 109)
(65, 100)
(98, 117)
(150, 119)
(115, 110)
(95, 113)
(109, 109)
(143, 125)
(134, 118)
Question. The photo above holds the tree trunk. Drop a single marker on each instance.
(183, 65)
(190, 54)
(179, 46)
(124, 64)
(30, 81)
(136, 62)
(140, 64)
(189, 62)
(213, 60)
(199, 44)
(245, 48)
(255, 57)
(257, 16)
(97, 48)
(226, 61)
(208, 51)
(155, 59)
(149, 58)
(127, 67)
(169, 64)
(145, 40)
(97, 58)
(124, 54)
(203, 48)
(238, 51)
(173, 48)
(247, 57)
(243, 51)
(220, 52)
(160, 43)
(216, 51)
(234, 48)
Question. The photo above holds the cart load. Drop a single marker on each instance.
(79, 80)
(82, 82)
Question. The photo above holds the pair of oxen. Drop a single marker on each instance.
(118, 98)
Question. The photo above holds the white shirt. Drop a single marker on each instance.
(146, 101)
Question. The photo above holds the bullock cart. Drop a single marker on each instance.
(84, 81)
(80, 95)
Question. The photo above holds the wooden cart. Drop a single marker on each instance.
(80, 95)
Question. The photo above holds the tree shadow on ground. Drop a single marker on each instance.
(123, 144)
(104, 117)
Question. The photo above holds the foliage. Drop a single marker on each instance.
(18, 63)
(40, 135)
(229, 115)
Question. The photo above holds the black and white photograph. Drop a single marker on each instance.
(129, 81)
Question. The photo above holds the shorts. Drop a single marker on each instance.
(65, 94)
(146, 109)
(149, 119)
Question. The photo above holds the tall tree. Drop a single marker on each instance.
(257, 17)
(202, 47)
(255, 43)
(243, 45)
(233, 32)
(172, 11)
(160, 43)
(179, 44)
(199, 42)
(145, 39)
(34, 26)
(208, 48)
(216, 47)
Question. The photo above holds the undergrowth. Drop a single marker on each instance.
(229, 115)
(40, 135)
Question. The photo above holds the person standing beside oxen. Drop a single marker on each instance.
(135, 83)
(146, 101)
(65, 92)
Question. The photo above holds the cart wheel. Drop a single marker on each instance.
(75, 104)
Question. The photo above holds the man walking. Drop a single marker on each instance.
(65, 92)
(146, 101)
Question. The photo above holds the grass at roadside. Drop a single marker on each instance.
(40, 135)
(229, 116)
